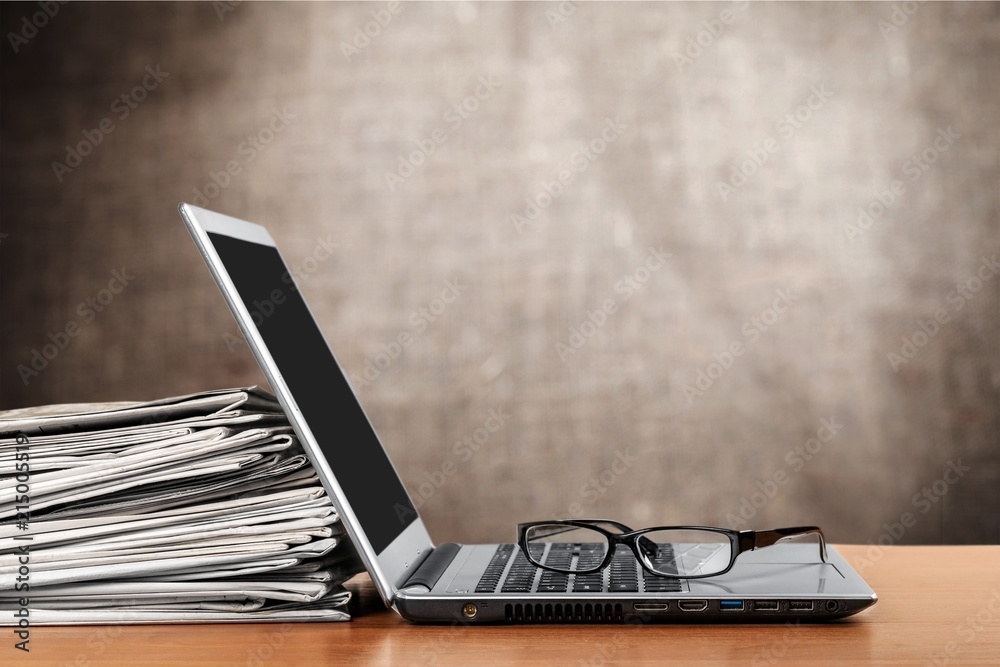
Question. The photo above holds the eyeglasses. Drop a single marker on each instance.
(586, 546)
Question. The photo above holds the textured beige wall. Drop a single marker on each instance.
(616, 409)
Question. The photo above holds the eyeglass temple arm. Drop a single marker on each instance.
(758, 539)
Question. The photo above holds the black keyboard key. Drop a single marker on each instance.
(662, 585)
(553, 582)
(624, 587)
(516, 587)
(586, 587)
(553, 588)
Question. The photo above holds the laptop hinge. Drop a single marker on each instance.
(433, 567)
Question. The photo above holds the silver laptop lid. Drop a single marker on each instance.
(315, 394)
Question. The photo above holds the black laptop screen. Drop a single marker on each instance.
(320, 389)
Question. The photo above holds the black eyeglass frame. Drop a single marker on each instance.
(741, 541)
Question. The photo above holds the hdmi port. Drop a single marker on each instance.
(693, 605)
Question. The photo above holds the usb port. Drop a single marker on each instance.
(693, 605)
(730, 605)
(800, 605)
(765, 605)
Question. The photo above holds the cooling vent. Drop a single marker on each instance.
(563, 613)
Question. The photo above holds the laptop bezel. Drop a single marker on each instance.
(388, 569)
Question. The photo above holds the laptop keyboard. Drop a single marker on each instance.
(624, 575)
(494, 571)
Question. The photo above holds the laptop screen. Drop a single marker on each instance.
(321, 391)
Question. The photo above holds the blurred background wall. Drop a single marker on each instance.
(696, 263)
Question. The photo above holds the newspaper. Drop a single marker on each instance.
(197, 508)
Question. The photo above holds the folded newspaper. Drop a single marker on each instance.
(199, 508)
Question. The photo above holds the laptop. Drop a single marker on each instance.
(472, 583)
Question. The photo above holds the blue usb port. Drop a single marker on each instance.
(730, 605)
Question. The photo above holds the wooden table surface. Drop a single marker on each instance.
(937, 606)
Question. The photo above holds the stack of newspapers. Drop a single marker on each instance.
(194, 508)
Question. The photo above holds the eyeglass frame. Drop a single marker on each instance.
(741, 541)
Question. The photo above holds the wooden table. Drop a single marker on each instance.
(937, 606)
